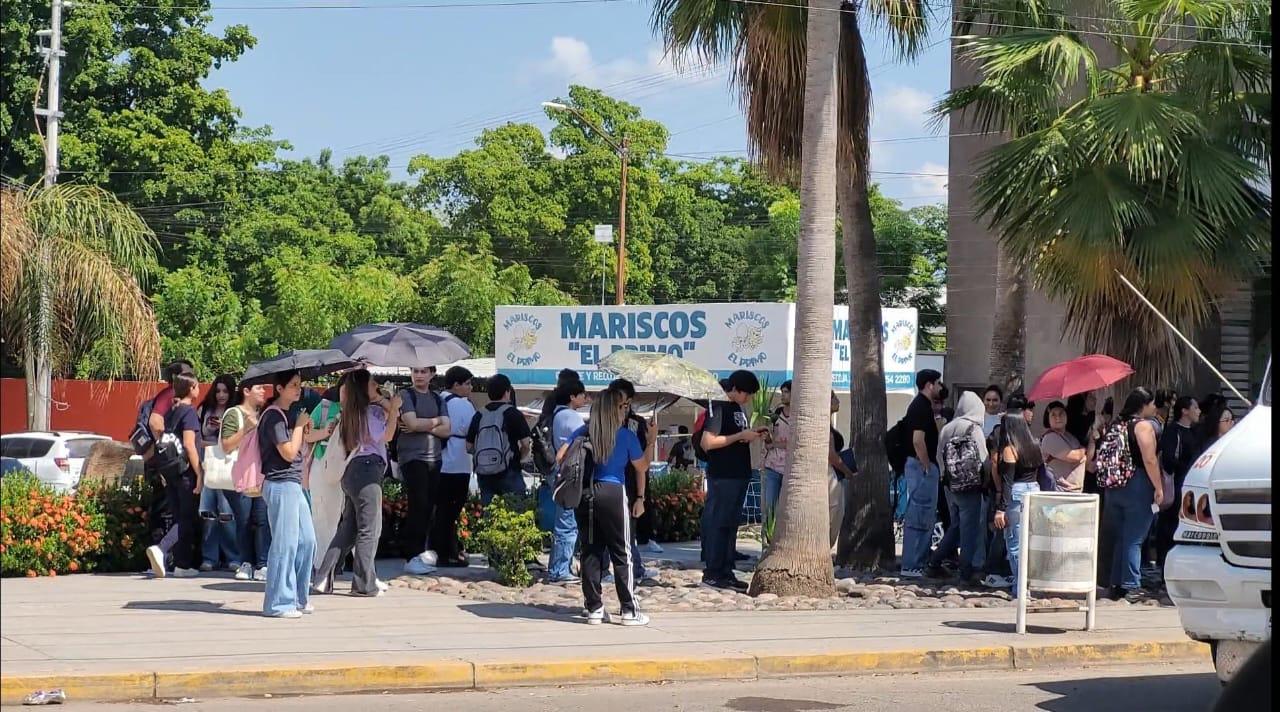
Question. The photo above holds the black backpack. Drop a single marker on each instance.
(574, 475)
(142, 438)
(696, 439)
(897, 446)
(543, 446)
(170, 458)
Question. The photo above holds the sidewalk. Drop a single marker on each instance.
(127, 636)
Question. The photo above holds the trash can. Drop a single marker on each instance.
(1059, 542)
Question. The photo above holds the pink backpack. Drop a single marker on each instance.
(246, 472)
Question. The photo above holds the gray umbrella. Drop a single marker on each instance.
(309, 363)
(401, 345)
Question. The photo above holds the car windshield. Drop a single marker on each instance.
(79, 449)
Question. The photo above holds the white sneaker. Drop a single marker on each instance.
(650, 575)
(309, 608)
(428, 557)
(156, 557)
(244, 573)
(383, 586)
(417, 566)
(295, 613)
(185, 573)
(911, 574)
(634, 618)
(652, 547)
(598, 616)
(260, 574)
(997, 581)
(376, 594)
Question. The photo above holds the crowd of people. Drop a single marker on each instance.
(985, 460)
(323, 456)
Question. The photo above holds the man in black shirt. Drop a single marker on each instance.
(726, 438)
(922, 475)
(518, 441)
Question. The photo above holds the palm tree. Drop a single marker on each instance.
(765, 43)
(71, 258)
(798, 561)
(1142, 156)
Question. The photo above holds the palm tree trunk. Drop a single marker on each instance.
(798, 561)
(1009, 332)
(866, 535)
(37, 367)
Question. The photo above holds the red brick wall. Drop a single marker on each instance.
(109, 408)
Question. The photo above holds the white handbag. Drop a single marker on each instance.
(217, 468)
(217, 464)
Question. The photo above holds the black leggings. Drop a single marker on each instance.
(604, 527)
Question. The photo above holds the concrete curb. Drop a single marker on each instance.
(463, 674)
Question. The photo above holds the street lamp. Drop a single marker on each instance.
(623, 149)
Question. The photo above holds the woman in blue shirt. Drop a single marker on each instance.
(604, 517)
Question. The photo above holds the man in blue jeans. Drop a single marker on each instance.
(726, 438)
(921, 474)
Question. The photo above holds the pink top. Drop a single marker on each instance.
(371, 443)
(775, 454)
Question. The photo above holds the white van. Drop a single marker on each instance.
(1219, 572)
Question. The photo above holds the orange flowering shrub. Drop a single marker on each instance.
(44, 533)
(124, 506)
(677, 499)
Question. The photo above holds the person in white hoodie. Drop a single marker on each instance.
(962, 460)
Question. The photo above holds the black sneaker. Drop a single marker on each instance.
(936, 572)
(722, 584)
(739, 556)
(738, 584)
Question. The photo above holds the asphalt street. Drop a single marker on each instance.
(1122, 688)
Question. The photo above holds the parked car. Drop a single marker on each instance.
(56, 458)
(10, 464)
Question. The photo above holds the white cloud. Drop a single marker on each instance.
(932, 180)
(899, 107)
(571, 60)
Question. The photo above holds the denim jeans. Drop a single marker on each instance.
(253, 528)
(1127, 511)
(965, 532)
(293, 546)
(922, 513)
(218, 525)
(772, 490)
(496, 485)
(564, 537)
(720, 526)
(1013, 524)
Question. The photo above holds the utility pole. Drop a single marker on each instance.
(623, 149)
(52, 115)
(624, 153)
(39, 371)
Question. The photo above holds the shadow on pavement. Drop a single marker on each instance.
(237, 586)
(511, 611)
(998, 627)
(776, 704)
(188, 606)
(1168, 693)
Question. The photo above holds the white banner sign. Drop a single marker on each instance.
(532, 344)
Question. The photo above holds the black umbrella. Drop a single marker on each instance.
(402, 345)
(309, 363)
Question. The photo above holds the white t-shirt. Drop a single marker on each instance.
(566, 422)
(456, 459)
(989, 422)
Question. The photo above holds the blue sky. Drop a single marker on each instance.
(406, 81)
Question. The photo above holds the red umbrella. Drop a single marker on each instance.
(1079, 375)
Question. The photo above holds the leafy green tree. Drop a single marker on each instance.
(202, 318)
(1147, 165)
(460, 289)
(138, 119)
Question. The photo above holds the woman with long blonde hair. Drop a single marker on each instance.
(366, 424)
(604, 517)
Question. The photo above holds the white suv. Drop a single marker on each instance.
(55, 458)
